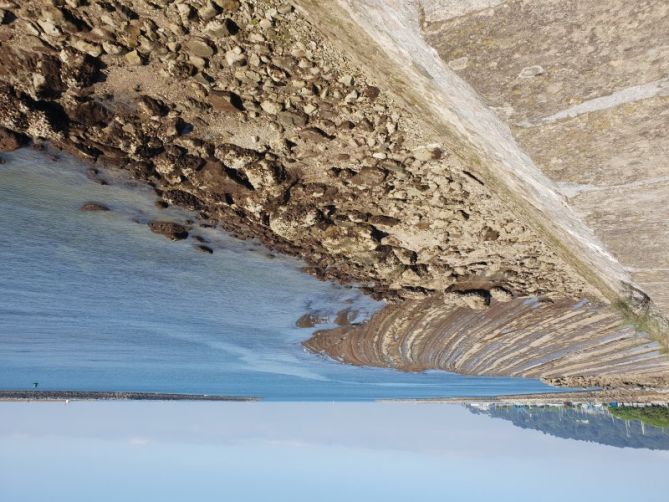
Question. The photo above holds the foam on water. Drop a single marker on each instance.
(95, 301)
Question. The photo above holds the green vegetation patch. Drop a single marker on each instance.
(657, 416)
(645, 322)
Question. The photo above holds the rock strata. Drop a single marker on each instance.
(561, 342)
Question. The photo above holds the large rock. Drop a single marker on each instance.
(93, 207)
(10, 140)
(171, 230)
(200, 47)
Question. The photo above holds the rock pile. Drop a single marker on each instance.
(239, 110)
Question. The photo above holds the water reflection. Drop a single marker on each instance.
(584, 422)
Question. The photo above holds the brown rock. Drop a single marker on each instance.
(311, 319)
(171, 230)
(134, 58)
(93, 206)
(200, 47)
(152, 107)
(79, 69)
(184, 199)
(204, 249)
(208, 11)
(92, 113)
(228, 5)
(10, 140)
(225, 101)
(371, 92)
(345, 317)
(271, 107)
(292, 119)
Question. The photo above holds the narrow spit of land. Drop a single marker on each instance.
(623, 397)
(46, 395)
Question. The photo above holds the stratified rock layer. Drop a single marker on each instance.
(562, 342)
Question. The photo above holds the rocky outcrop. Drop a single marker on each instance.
(584, 88)
(243, 112)
(171, 230)
(562, 342)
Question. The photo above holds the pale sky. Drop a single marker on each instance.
(144, 451)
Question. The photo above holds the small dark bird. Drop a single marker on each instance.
(35, 384)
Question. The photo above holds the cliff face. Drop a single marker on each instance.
(584, 89)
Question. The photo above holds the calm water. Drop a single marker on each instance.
(298, 452)
(95, 301)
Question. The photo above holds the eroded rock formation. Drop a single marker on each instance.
(241, 111)
(563, 342)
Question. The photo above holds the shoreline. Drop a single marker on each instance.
(56, 395)
(251, 116)
(604, 397)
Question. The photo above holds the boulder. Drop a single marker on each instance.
(169, 229)
(93, 207)
(10, 140)
(225, 101)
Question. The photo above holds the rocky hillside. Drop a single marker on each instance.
(242, 111)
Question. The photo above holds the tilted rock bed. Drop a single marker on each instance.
(562, 342)
(240, 111)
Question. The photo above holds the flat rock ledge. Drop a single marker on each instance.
(564, 343)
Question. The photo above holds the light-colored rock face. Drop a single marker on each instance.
(584, 87)
(523, 337)
(442, 10)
